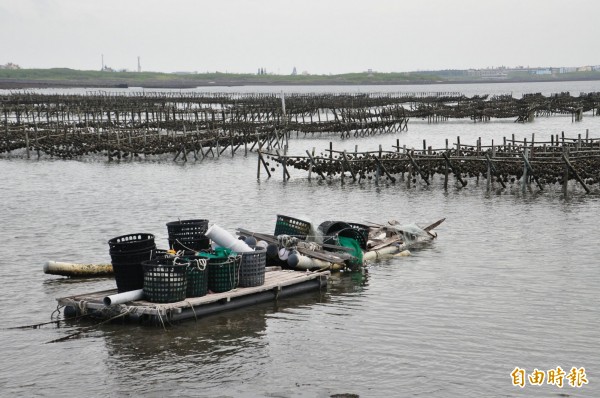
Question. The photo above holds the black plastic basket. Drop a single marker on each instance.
(189, 244)
(332, 229)
(127, 262)
(132, 257)
(128, 276)
(223, 274)
(132, 242)
(165, 280)
(364, 230)
(291, 226)
(252, 267)
(187, 229)
(197, 277)
(159, 253)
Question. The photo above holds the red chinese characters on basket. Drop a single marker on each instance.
(575, 378)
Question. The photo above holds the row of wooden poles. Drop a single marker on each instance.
(513, 161)
(146, 108)
(70, 126)
(74, 126)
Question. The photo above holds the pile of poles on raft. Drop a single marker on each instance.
(336, 245)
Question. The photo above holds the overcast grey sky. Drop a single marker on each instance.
(318, 36)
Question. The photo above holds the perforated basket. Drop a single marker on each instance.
(331, 230)
(189, 244)
(291, 226)
(165, 280)
(364, 231)
(252, 267)
(197, 277)
(132, 243)
(223, 275)
(187, 229)
(128, 276)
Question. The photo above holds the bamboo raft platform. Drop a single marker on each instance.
(194, 125)
(554, 162)
(278, 284)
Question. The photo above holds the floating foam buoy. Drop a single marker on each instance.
(272, 250)
(250, 241)
(299, 261)
(403, 253)
(385, 252)
(262, 243)
(283, 254)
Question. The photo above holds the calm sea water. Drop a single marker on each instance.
(511, 281)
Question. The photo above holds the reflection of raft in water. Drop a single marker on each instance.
(278, 284)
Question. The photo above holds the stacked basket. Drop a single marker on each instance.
(127, 253)
(188, 235)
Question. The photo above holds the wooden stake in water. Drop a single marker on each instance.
(26, 141)
(524, 178)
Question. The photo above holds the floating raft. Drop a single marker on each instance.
(278, 284)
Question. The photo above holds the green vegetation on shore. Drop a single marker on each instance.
(64, 77)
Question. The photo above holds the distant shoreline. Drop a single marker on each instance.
(224, 81)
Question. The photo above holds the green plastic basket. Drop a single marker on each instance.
(165, 280)
(291, 226)
(197, 277)
(223, 274)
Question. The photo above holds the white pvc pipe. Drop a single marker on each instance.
(227, 240)
(124, 297)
